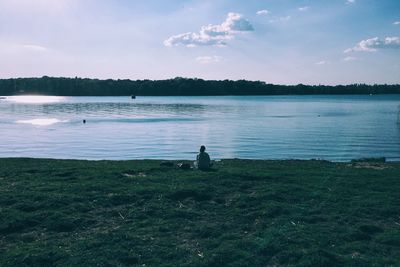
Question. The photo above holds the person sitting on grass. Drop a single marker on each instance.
(203, 161)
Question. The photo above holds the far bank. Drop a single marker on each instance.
(63, 86)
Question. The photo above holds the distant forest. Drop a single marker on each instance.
(175, 87)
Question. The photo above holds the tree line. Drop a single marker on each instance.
(176, 87)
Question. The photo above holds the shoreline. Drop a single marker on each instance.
(356, 160)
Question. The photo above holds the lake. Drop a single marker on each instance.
(337, 128)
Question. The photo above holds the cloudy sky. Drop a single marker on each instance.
(277, 41)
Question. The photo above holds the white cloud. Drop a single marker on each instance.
(396, 23)
(368, 45)
(208, 59)
(350, 58)
(350, 1)
(304, 8)
(6, 47)
(373, 44)
(392, 42)
(280, 19)
(33, 47)
(262, 12)
(216, 35)
(322, 62)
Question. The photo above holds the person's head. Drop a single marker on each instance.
(202, 148)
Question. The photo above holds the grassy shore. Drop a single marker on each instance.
(244, 213)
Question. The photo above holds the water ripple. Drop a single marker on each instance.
(334, 128)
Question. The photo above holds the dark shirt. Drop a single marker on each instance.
(203, 161)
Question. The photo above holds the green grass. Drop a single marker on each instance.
(244, 213)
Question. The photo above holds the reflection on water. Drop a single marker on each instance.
(264, 127)
(127, 109)
(41, 122)
(34, 99)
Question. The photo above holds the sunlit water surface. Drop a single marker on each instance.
(337, 128)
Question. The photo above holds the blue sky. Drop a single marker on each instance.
(276, 41)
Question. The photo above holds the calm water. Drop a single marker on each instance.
(337, 128)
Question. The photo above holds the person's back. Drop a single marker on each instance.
(203, 159)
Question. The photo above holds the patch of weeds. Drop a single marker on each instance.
(45, 258)
(128, 259)
(188, 193)
(116, 199)
(18, 223)
(206, 231)
(29, 237)
(134, 174)
(319, 258)
(314, 219)
(358, 236)
(268, 249)
(59, 222)
(391, 238)
(288, 257)
(274, 210)
(228, 255)
(27, 206)
(381, 160)
(370, 229)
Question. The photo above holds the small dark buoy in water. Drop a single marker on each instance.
(84, 121)
(133, 97)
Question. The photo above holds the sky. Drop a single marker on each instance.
(277, 41)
